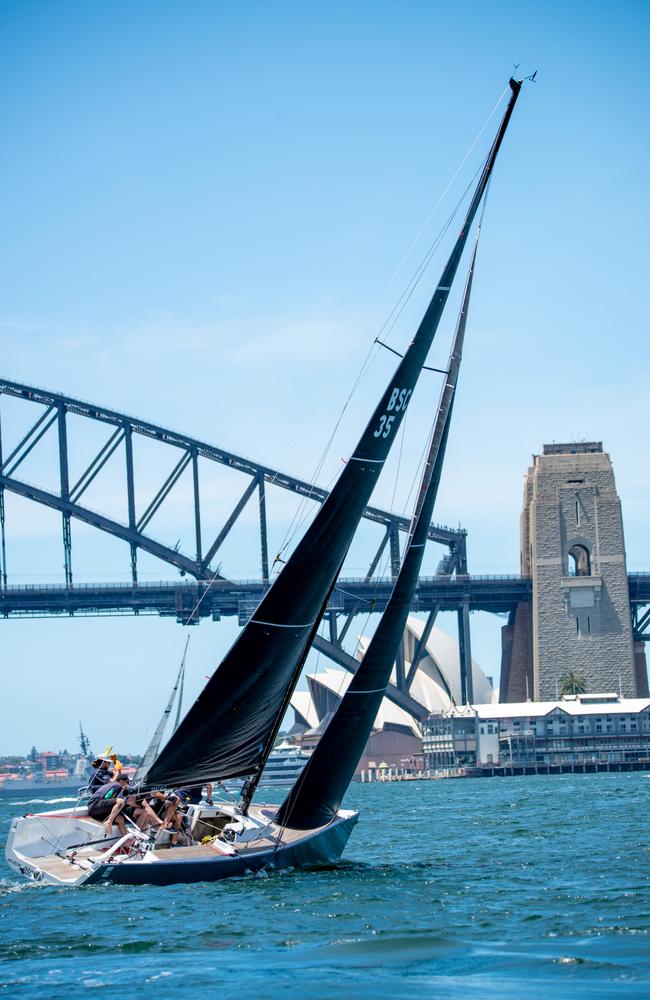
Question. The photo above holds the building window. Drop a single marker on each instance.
(577, 511)
(579, 562)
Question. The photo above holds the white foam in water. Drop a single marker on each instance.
(7, 886)
(42, 802)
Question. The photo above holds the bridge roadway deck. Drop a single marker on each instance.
(228, 597)
(192, 600)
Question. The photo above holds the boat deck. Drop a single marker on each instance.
(65, 870)
(184, 853)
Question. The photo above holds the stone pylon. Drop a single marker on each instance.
(573, 549)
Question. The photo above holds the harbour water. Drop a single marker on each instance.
(521, 887)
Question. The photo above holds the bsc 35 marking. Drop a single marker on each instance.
(399, 400)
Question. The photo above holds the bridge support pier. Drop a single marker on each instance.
(465, 651)
(573, 548)
(65, 492)
(3, 544)
(264, 545)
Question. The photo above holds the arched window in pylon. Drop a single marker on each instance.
(579, 561)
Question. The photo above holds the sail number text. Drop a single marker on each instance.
(399, 400)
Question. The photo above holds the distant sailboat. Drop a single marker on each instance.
(176, 696)
(231, 728)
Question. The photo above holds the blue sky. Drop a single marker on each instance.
(203, 206)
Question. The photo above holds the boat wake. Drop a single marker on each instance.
(42, 802)
(7, 886)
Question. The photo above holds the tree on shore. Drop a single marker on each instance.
(572, 683)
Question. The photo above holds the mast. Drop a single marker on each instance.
(229, 731)
(317, 794)
(84, 745)
(181, 685)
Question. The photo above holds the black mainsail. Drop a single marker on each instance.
(317, 794)
(229, 731)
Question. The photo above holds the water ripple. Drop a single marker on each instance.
(470, 888)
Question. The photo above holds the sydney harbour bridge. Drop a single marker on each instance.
(202, 591)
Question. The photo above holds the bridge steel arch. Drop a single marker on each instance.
(212, 595)
(53, 409)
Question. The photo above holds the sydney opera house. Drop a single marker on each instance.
(396, 739)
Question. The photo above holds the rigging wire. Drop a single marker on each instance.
(302, 511)
(154, 711)
(389, 323)
(397, 310)
(392, 318)
(413, 284)
(437, 205)
(416, 477)
(425, 451)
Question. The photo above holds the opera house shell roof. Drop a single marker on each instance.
(436, 685)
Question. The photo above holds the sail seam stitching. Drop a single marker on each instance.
(373, 691)
(256, 621)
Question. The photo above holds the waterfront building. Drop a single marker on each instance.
(573, 549)
(576, 730)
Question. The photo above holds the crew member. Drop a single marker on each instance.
(107, 803)
(102, 773)
(175, 819)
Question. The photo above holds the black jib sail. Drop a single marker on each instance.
(317, 794)
(229, 730)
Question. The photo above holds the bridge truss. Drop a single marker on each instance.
(210, 594)
(51, 413)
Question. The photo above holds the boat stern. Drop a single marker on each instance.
(38, 844)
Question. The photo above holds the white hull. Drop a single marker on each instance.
(68, 848)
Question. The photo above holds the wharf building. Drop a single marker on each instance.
(572, 547)
(577, 731)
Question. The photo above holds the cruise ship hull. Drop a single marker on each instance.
(13, 789)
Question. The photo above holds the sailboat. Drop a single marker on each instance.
(231, 728)
(176, 696)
